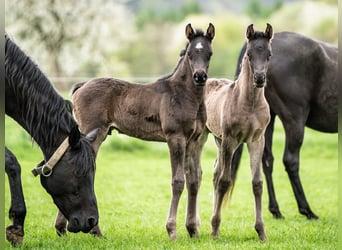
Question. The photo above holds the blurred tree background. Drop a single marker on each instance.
(140, 40)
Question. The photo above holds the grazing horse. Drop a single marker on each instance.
(237, 112)
(169, 110)
(302, 90)
(67, 172)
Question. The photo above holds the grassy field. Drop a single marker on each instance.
(133, 193)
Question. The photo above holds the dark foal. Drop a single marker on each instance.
(169, 110)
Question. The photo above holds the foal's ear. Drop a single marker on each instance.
(74, 137)
(249, 32)
(189, 32)
(92, 135)
(269, 31)
(210, 32)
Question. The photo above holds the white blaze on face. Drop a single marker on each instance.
(199, 46)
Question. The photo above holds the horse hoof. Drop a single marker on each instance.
(312, 216)
(15, 235)
(172, 235)
(96, 232)
(309, 214)
(61, 231)
(263, 237)
(278, 215)
(214, 233)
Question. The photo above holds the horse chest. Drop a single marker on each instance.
(247, 128)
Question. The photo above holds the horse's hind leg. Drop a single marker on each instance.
(222, 181)
(294, 131)
(267, 164)
(17, 212)
(176, 146)
(255, 152)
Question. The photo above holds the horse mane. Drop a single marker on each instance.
(40, 109)
(181, 54)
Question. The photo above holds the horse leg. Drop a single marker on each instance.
(222, 181)
(177, 154)
(267, 165)
(17, 212)
(294, 137)
(60, 224)
(193, 174)
(255, 150)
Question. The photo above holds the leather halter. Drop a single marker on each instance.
(45, 169)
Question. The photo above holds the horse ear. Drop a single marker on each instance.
(210, 32)
(189, 32)
(249, 32)
(92, 135)
(74, 137)
(269, 31)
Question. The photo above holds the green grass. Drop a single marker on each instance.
(133, 192)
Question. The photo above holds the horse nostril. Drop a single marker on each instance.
(76, 221)
(92, 222)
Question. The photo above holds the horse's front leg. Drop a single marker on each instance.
(222, 180)
(176, 146)
(17, 212)
(60, 224)
(193, 174)
(255, 150)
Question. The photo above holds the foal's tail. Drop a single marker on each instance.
(235, 166)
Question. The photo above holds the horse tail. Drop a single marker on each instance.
(76, 86)
(235, 166)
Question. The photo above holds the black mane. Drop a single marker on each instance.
(34, 103)
(37, 105)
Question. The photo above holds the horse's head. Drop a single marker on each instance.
(199, 52)
(71, 182)
(258, 53)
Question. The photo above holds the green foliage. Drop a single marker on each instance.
(153, 14)
(133, 193)
(255, 9)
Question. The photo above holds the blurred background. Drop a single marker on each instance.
(140, 40)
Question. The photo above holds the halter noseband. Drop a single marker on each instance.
(45, 169)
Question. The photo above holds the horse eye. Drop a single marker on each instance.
(190, 55)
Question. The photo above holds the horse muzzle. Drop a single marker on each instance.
(200, 77)
(77, 224)
(259, 80)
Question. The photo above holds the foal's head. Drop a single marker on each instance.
(259, 53)
(199, 52)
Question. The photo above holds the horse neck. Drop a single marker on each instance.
(249, 94)
(183, 79)
(40, 110)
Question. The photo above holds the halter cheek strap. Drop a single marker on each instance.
(45, 169)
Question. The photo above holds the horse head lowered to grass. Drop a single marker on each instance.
(170, 110)
(67, 172)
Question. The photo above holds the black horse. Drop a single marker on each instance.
(67, 172)
(302, 91)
